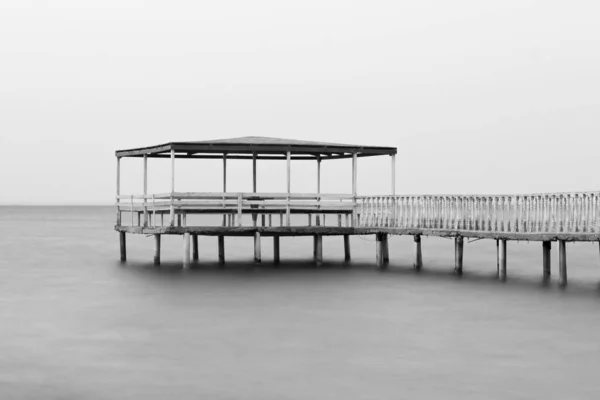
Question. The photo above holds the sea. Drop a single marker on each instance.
(76, 323)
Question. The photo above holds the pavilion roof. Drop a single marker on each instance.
(263, 147)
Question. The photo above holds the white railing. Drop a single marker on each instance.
(530, 213)
(144, 209)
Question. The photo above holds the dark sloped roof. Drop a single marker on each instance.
(263, 147)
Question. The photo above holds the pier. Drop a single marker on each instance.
(542, 217)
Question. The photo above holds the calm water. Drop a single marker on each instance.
(76, 324)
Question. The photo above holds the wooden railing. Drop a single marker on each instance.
(531, 213)
(145, 210)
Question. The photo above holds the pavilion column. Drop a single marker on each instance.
(289, 187)
(354, 174)
(118, 200)
(254, 216)
(172, 216)
(221, 238)
(145, 190)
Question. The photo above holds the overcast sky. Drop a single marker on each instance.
(478, 96)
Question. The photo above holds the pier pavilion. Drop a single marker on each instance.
(543, 217)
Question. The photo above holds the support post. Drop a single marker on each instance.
(379, 251)
(194, 247)
(546, 256)
(418, 255)
(257, 247)
(386, 248)
(347, 248)
(502, 260)
(221, 249)
(123, 246)
(186, 250)
(254, 215)
(562, 263)
(458, 255)
(276, 249)
(319, 250)
(318, 216)
(497, 257)
(157, 249)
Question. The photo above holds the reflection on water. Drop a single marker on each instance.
(77, 324)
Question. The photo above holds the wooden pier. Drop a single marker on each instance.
(544, 217)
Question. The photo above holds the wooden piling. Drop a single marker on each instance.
(562, 262)
(546, 254)
(502, 260)
(221, 248)
(418, 255)
(123, 246)
(157, 249)
(458, 254)
(257, 257)
(347, 248)
(186, 250)
(276, 249)
(194, 247)
(319, 250)
(379, 251)
(386, 248)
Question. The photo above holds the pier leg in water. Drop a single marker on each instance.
(186, 250)
(123, 246)
(497, 257)
(319, 250)
(347, 248)
(379, 251)
(562, 263)
(315, 248)
(386, 248)
(156, 249)
(502, 260)
(546, 251)
(276, 250)
(458, 255)
(257, 247)
(221, 249)
(194, 247)
(418, 255)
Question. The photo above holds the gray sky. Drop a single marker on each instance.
(479, 96)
